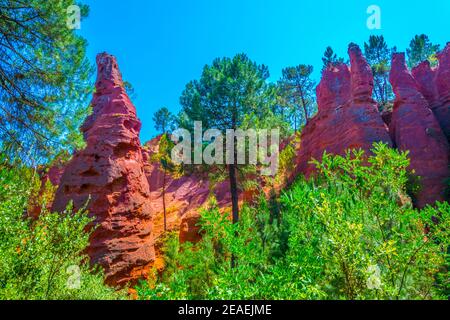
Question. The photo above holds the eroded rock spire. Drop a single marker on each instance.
(347, 118)
(108, 175)
(414, 127)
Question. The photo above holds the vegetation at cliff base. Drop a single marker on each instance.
(43, 258)
(348, 234)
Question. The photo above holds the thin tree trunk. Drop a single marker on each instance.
(304, 107)
(234, 192)
(164, 200)
(306, 114)
(232, 168)
(295, 123)
(234, 202)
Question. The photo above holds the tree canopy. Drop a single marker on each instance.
(378, 55)
(227, 93)
(297, 89)
(330, 58)
(421, 49)
(164, 120)
(43, 77)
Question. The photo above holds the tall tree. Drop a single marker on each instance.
(227, 92)
(329, 57)
(281, 108)
(43, 77)
(163, 156)
(421, 49)
(164, 120)
(298, 89)
(378, 55)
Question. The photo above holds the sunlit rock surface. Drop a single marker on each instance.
(108, 176)
(347, 117)
(415, 128)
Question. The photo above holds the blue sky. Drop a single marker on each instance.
(163, 44)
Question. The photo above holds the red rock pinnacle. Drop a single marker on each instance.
(347, 118)
(415, 128)
(434, 84)
(109, 173)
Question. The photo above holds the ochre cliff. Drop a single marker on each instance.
(347, 117)
(415, 128)
(434, 84)
(122, 184)
(109, 176)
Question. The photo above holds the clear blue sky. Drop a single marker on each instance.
(163, 44)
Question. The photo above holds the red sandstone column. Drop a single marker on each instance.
(109, 175)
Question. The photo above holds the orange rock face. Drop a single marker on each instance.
(124, 185)
(414, 127)
(434, 85)
(109, 175)
(51, 176)
(184, 196)
(347, 116)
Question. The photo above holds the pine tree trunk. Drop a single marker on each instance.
(232, 168)
(234, 192)
(164, 200)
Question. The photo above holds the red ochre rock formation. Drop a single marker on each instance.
(415, 128)
(54, 174)
(49, 177)
(434, 84)
(124, 185)
(347, 116)
(185, 196)
(109, 175)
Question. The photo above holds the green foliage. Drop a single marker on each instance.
(44, 78)
(330, 58)
(42, 259)
(379, 55)
(371, 246)
(163, 156)
(164, 120)
(421, 49)
(287, 159)
(227, 91)
(297, 89)
(345, 235)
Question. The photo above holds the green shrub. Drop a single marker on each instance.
(348, 234)
(366, 241)
(43, 259)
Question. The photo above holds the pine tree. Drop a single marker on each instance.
(163, 156)
(227, 92)
(378, 55)
(421, 49)
(297, 88)
(330, 58)
(164, 120)
(44, 78)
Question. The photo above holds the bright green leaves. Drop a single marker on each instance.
(353, 217)
(347, 234)
(421, 49)
(43, 258)
(44, 79)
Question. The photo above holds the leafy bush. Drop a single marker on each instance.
(370, 242)
(348, 234)
(44, 258)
